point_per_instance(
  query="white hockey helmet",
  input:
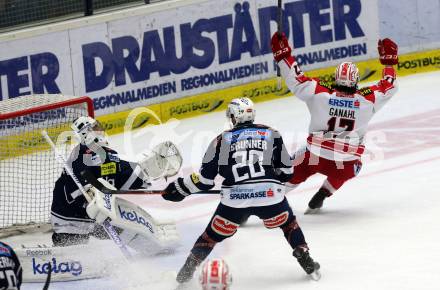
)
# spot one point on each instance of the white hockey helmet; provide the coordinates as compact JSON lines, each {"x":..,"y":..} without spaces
{"x":347,"y":75}
{"x":215,"y":275}
{"x":242,"y":110}
{"x":89,"y":131}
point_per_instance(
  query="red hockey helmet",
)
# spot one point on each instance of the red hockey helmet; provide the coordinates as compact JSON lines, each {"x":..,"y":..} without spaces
{"x":215,"y":275}
{"x":347,"y":75}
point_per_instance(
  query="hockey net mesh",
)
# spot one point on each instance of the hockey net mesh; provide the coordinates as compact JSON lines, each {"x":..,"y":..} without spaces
{"x":28,"y":168}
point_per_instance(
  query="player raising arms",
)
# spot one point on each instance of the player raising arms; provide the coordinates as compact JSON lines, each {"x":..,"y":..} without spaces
{"x":340,"y":114}
{"x":71,"y":220}
{"x":254,"y":163}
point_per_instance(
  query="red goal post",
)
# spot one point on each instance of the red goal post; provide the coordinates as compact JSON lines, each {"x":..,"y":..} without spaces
{"x":28,"y":169}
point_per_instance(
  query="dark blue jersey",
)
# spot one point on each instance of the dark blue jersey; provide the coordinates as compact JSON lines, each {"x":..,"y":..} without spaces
{"x":10,"y":269}
{"x":247,"y":154}
{"x":68,"y":202}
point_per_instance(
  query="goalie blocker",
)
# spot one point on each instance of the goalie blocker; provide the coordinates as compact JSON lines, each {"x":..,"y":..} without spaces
{"x":143,"y":232}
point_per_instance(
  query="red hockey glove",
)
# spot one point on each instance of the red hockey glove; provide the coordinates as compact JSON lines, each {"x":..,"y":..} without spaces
{"x":280,"y":46}
{"x":387,"y":52}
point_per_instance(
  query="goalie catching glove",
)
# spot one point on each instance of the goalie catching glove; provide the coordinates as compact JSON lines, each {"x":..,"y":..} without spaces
{"x":164,"y":160}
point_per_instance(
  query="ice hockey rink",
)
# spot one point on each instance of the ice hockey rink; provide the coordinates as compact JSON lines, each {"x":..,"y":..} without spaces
{"x":379,"y":231}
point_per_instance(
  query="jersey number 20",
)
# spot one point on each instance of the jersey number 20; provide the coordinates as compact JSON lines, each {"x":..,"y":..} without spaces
{"x":251,"y":159}
{"x":9,"y":275}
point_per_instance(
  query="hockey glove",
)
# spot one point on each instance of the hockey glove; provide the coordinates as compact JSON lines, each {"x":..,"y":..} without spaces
{"x":280,"y":47}
{"x":387,"y":52}
{"x":176,"y":191}
{"x":164,"y":160}
{"x":100,"y":207}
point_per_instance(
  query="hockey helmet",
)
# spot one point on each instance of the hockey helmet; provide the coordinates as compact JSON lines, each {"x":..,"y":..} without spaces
{"x":347,"y":75}
{"x":215,"y":275}
{"x":89,"y":131}
{"x":242,"y":110}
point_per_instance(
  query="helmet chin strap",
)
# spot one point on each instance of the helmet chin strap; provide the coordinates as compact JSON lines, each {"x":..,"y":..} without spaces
{"x":232,"y":122}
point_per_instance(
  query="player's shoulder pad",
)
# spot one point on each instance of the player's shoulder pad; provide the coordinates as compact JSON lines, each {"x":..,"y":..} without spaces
{"x":261,"y":126}
{"x":275,"y":132}
{"x":323,"y":86}
{"x":5,"y":250}
{"x":217,"y":140}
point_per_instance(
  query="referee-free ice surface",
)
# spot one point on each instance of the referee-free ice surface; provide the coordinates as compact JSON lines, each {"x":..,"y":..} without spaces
{"x":379,"y":231}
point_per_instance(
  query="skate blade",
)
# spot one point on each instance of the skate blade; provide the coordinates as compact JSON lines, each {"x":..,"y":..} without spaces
{"x":312,"y":210}
{"x":316,"y":275}
{"x":184,"y":286}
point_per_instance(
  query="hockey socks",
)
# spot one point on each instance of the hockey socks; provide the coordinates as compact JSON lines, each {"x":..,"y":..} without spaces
{"x":293,"y":234}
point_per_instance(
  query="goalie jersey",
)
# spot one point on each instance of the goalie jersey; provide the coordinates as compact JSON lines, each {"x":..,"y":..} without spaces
{"x":69,"y":205}
{"x":10,"y":268}
{"x":254,"y":163}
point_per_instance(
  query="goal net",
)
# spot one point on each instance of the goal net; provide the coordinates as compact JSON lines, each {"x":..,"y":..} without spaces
{"x":28,"y":168}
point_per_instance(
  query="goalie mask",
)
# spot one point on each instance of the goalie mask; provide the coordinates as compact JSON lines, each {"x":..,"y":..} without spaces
{"x":215,"y":275}
{"x":240,"y":111}
{"x":347,"y":75}
{"x":89,"y":131}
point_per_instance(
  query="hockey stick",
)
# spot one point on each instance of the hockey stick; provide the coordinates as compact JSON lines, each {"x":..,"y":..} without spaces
{"x":87,"y":175}
{"x":279,"y":29}
{"x":106,"y":224}
{"x":49,"y":274}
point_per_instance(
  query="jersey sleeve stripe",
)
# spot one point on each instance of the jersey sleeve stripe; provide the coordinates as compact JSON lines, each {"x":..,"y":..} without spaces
{"x":289,"y":61}
{"x":134,"y":175}
{"x":287,"y":170}
{"x":335,"y":146}
{"x":205,"y":180}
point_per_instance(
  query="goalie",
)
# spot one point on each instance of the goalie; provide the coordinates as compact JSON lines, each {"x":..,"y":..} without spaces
{"x":73,"y":218}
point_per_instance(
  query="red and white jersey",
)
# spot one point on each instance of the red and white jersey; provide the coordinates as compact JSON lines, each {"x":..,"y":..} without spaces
{"x":338,"y":120}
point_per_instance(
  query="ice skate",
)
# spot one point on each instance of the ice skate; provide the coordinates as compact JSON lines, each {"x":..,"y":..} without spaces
{"x":316,"y":202}
{"x":306,"y":262}
{"x":187,"y":271}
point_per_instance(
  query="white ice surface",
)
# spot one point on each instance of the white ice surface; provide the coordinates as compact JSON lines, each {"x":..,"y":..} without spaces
{"x":379,"y":231}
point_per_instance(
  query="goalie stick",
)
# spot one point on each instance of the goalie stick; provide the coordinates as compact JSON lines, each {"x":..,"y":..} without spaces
{"x":279,"y":31}
{"x":106,"y":224}
{"x":49,"y":274}
{"x":90,"y":178}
